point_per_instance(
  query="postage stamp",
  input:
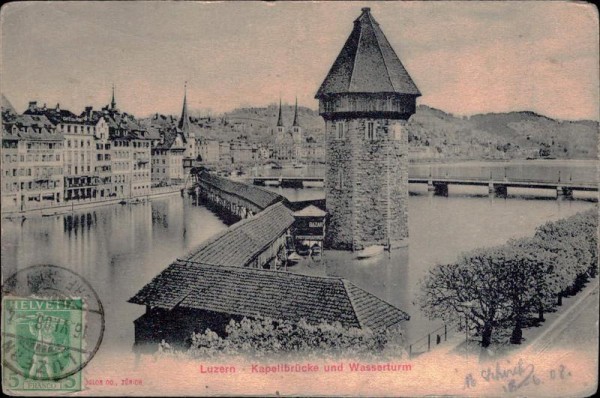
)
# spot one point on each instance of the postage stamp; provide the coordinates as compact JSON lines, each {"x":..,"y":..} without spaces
{"x":46,"y":339}
{"x":52,"y":326}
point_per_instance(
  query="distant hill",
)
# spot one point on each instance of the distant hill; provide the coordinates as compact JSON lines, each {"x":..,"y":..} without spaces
{"x":257,"y":123}
{"x":512,"y":135}
{"x":253,"y":123}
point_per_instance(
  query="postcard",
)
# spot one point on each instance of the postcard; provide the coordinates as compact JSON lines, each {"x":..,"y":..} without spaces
{"x":299,"y":198}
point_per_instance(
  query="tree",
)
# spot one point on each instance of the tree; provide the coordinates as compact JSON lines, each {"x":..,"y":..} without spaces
{"x":528,"y":280}
{"x":499,"y":287}
{"x":469,"y":287}
{"x":548,"y":281}
{"x":573,"y":241}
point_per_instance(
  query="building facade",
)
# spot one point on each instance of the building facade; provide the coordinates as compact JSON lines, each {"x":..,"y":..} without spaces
{"x":167,"y":158}
{"x":32,"y":168}
{"x":103,"y":163}
{"x":208,"y":150}
{"x":79,"y":158}
{"x":366,"y":99}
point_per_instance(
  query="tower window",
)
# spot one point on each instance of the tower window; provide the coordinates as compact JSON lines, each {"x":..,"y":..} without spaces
{"x":370,"y":134}
{"x":339,"y":128}
{"x":396,"y":132}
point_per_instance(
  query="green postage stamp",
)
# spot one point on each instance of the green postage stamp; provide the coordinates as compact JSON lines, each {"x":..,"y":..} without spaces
{"x":43,"y":344}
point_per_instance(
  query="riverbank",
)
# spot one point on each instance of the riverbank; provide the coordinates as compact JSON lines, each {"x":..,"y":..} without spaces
{"x":66,"y":208}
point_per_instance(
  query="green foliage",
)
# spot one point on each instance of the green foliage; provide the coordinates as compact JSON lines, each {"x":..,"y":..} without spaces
{"x":264,"y":337}
{"x":499,"y":287}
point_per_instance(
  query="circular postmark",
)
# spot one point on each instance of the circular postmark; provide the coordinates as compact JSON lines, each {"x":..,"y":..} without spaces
{"x":52,"y":323}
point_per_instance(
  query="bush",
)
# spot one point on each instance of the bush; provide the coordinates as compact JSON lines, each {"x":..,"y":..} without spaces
{"x":264,"y":337}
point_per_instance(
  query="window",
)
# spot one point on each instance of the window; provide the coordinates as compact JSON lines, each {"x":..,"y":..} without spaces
{"x":396,"y":133}
{"x":340,"y":182}
{"x":339,"y":128}
{"x":370,"y":131}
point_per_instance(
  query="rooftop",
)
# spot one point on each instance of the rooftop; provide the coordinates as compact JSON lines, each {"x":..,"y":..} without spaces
{"x":30,"y":127}
{"x":277,"y":295}
{"x":367,"y":64}
{"x":244,"y":241}
{"x":310,"y":211}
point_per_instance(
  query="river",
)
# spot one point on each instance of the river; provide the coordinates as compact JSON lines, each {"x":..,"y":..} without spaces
{"x":120,"y":248}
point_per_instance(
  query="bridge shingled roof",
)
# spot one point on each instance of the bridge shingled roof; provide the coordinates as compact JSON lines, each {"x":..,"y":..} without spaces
{"x":265,"y":293}
{"x":261,"y":197}
{"x":238,"y":245}
{"x":367,"y":64}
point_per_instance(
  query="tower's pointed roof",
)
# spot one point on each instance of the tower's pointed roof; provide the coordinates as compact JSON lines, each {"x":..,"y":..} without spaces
{"x":279,"y":120}
{"x":184,"y":121}
{"x":367,"y":64}
{"x":295,"y":124}
{"x":113,"y":103}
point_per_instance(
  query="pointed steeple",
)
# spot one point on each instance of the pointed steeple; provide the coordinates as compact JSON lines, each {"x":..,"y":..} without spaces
{"x":279,"y":120}
{"x":295,"y":124}
{"x":113,"y":103}
{"x":6,"y":105}
{"x":184,"y":121}
{"x":367,"y":64}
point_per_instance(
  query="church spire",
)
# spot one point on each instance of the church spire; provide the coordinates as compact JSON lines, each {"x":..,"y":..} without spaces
{"x":184,"y":120}
{"x":279,"y":121}
{"x":113,"y":103}
{"x":295,"y":124}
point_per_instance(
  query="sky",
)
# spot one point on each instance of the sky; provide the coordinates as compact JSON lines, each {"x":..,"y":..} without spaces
{"x":465,"y":57}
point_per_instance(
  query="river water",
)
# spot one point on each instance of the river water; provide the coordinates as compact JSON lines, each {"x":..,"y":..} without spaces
{"x":118,"y":249}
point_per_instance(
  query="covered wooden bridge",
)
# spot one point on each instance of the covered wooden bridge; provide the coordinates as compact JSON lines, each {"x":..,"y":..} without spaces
{"x":236,"y":198}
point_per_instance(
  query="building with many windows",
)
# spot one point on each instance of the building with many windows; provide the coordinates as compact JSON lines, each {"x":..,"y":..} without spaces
{"x":167,"y":158}
{"x":32,"y":172}
{"x":79,"y":158}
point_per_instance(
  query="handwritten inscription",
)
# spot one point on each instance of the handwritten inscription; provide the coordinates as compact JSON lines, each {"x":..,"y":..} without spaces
{"x":514,"y":376}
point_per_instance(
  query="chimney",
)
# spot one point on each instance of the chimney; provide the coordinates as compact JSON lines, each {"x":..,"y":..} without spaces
{"x":88,"y":112}
{"x":32,"y":105}
{"x":57,"y":107}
